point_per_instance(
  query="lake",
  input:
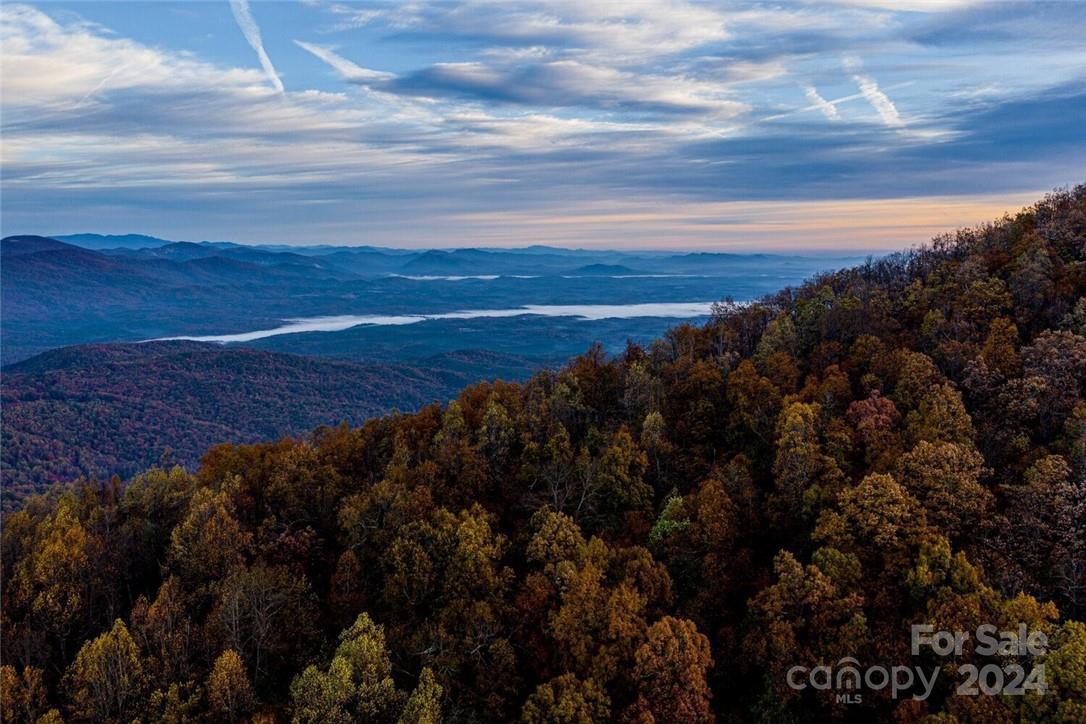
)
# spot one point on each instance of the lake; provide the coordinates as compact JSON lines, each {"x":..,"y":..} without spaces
{"x":338,"y":323}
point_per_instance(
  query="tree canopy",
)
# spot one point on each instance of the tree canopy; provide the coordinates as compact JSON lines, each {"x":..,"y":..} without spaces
{"x":653,"y":537}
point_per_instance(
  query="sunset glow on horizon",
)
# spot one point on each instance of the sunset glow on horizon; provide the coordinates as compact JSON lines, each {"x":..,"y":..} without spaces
{"x":735,"y":126}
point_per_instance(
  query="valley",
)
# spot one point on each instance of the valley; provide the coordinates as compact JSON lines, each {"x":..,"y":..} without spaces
{"x":55,"y":293}
{"x":549,"y":362}
{"x":120,"y":350}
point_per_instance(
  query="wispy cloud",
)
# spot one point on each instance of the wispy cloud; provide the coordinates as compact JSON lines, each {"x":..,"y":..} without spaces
{"x":251,"y":30}
{"x":347,"y":70}
{"x":534,"y":80}
{"x":828,"y":109}
{"x":556,"y":120}
{"x":625,"y":32}
{"x":920,"y":6}
{"x":870,"y":90}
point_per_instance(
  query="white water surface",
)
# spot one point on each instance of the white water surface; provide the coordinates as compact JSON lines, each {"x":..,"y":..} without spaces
{"x":587,"y":312}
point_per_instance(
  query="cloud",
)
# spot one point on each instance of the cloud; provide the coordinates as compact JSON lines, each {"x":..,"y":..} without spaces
{"x":858,"y":225}
{"x":531,"y":79}
{"x":829,"y":110}
{"x":871,"y":92}
{"x":623,"y":32}
{"x":51,"y":69}
{"x":569,"y":83}
{"x":346,"y":69}
{"x":252,"y":34}
{"x":919,"y":6}
{"x":578,"y":113}
{"x":83,"y":107}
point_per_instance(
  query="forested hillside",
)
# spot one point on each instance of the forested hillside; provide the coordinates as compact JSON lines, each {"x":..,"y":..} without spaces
{"x":659,"y":537}
{"x":100,"y":410}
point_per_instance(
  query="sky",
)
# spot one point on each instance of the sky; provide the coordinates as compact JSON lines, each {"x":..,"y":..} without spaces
{"x":853,"y":125}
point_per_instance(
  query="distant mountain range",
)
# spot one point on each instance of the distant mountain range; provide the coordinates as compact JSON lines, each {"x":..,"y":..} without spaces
{"x":105,"y":409}
{"x":488,"y":260}
{"x":80,"y":398}
{"x":116,"y":241}
{"x":88,"y":288}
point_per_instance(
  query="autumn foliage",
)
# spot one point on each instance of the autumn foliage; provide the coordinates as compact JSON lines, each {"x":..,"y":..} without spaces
{"x":656,"y":537}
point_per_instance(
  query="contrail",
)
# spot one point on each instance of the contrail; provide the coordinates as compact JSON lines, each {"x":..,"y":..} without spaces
{"x":252,"y":33}
{"x":101,"y":84}
{"x":828,"y":109}
{"x":835,"y":102}
{"x":879,"y":101}
{"x":346,"y":69}
{"x":870,"y":90}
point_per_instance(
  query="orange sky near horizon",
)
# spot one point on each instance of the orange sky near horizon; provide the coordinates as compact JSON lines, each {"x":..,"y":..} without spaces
{"x":841,"y":225}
